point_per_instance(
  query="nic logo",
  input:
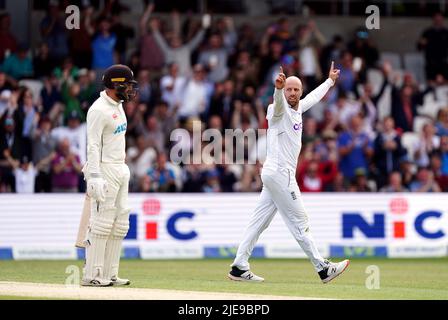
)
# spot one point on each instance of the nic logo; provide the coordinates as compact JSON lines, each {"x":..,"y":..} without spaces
{"x":121,"y":128}
{"x":377,"y":228}
{"x":151,"y":209}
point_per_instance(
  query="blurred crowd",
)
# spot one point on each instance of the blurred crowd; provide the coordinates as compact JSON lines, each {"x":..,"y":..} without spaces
{"x":209,"y":71}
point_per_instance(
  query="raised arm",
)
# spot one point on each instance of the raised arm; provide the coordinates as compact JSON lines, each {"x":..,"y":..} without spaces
{"x":159,"y":38}
{"x":145,"y":18}
{"x":317,"y":94}
{"x":279,"y":95}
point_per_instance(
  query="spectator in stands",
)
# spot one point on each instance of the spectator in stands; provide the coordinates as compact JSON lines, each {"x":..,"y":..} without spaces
{"x":309,"y":134}
{"x":211,"y":183}
{"x":226,"y":27}
{"x":153,"y":134}
{"x":26,"y":117}
{"x":395,"y":183}
{"x":134,"y":114}
{"x":348,"y":76}
{"x":194,"y":99}
{"x":424,"y":181}
{"x":50,"y":94}
{"x":355,"y":148}
{"x":140,"y":159}
{"x":103,"y":47}
{"x":5,"y":83}
{"x":222,"y":102}
{"x":80,"y":40}
{"x":10,"y":151}
{"x":407,"y":170}
{"x":313,"y":176}
{"x":88,"y":92}
{"x":344,"y":109}
{"x":442,"y":122}
{"x":75,"y":133}
{"x":70,"y":97}
{"x":145,"y":88}
{"x":388,"y":151}
{"x":434,"y":43}
{"x":428,"y":143}
{"x":329,"y":121}
{"x":42,"y":62}
{"x":18,"y":65}
{"x":67,"y":71}
{"x":44,"y":145}
{"x":7,"y":38}
{"x":147,"y":43}
{"x":246,"y":38}
{"x":436,"y":168}
{"x":251,"y":178}
{"x":53,"y":32}
{"x":227,"y":176}
{"x":172,"y":86}
{"x":360,"y":182}
{"x":177,"y":52}
{"x":66,"y":168}
{"x":339,"y":184}
{"x":310,"y":42}
{"x":5,"y":97}
{"x":404,"y":107}
{"x":444,"y":155}
{"x":193,"y":178}
{"x":25,"y":175}
{"x":270,"y":52}
{"x":166,"y":121}
{"x":161,"y":178}
{"x":214,"y":58}
{"x":123,"y":32}
{"x":332,"y":52}
{"x":361,"y":46}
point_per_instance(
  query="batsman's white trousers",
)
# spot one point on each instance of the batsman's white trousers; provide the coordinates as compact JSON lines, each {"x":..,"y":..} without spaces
{"x":109,"y":224}
{"x":280,"y":192}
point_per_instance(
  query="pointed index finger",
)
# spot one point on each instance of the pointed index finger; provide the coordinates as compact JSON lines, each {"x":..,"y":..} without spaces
{"x":332,"y":65}
{"x":281,"y":69}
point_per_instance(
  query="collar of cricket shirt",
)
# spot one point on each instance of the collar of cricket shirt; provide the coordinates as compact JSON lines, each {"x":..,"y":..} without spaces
{"x":109,"y":99}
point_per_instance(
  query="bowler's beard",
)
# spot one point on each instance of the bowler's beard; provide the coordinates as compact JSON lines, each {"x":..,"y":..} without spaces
{"x":294,"y":105}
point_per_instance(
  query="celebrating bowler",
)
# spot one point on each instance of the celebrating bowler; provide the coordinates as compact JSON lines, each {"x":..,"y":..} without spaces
{"x":280,"y":190}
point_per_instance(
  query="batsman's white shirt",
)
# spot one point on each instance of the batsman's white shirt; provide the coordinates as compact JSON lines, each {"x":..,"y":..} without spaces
{"x":280,"y":190}
{"x":106,"y":128}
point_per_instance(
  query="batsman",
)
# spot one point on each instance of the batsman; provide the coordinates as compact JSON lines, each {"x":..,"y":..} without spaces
{"x":107,"y":177}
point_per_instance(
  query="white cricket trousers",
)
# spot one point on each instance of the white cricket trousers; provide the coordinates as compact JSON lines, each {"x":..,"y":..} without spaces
{"x":109,"y":224}
{"x":280,"y":192}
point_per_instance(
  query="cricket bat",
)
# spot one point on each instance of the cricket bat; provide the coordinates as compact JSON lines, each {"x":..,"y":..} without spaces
{"x":83,"y":224}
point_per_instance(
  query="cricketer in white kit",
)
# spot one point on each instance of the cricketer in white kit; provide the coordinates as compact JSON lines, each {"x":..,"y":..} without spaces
{"x":280,"y":190}
{"x":107,"y":178}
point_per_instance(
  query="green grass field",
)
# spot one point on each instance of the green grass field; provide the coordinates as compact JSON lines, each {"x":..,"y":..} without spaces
{"x":399,"y":278}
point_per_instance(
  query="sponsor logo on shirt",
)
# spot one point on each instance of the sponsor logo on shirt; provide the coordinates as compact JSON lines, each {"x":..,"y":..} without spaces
{"x":121,"y":128}
{"x":297,"y":126}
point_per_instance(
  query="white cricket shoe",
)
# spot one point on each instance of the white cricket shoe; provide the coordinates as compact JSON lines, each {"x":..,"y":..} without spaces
{"x":332,"y":270}
{"x":96,"y":283}
{"x":243,"y":275}
{"x":120,"y":282}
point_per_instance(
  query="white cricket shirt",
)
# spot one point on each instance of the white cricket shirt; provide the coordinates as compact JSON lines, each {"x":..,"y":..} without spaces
{"x":106,"y":128}
{"x":285,"y":128}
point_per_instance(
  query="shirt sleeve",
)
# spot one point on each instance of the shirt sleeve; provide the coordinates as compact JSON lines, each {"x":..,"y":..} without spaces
{"x":95,"y":127}
{"x":279,"y":104}
{"x":316,"y":95}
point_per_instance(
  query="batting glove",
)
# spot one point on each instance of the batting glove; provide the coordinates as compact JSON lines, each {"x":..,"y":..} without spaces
{"x":97,"y":188}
